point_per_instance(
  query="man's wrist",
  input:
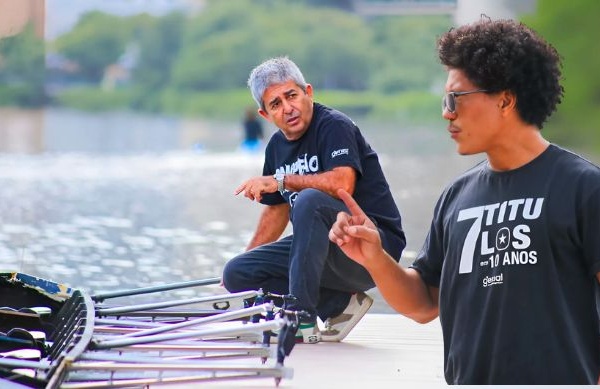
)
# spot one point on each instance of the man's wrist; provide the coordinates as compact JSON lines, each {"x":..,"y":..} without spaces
{"x":280,"y":178}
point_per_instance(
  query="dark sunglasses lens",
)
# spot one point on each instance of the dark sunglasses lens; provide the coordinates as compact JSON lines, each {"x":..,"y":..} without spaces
{"x":449,"y":103}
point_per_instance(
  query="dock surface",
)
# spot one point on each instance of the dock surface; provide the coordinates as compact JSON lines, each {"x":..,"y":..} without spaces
{"x":382,"y":351}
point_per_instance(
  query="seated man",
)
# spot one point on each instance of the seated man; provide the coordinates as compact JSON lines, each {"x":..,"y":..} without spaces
{"x":316,"y":151}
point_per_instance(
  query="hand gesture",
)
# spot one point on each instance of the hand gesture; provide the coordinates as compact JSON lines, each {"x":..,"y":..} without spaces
{"x":355,"y":233}
{"x":256,"y":186}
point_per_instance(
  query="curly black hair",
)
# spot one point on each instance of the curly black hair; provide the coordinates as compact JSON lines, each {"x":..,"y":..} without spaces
{"x":505,"y":55}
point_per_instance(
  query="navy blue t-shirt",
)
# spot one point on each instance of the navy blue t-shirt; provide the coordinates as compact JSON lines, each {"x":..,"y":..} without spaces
{"x":515,"y":256}
{"x":333,"y":140}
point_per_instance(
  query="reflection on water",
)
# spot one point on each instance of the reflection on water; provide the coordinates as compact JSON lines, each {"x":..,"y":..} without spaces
{"x":64,"y":131}
{"x":116,"y":201}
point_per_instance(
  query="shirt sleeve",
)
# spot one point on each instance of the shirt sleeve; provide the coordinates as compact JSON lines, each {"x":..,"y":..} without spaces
{"x":339,"y":146}
{"x":430,"y":259}
{"x":589,"y":215}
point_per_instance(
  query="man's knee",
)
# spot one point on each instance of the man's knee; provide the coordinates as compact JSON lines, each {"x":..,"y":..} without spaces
{"x":231,"y":277}
{"x":309,"y":200}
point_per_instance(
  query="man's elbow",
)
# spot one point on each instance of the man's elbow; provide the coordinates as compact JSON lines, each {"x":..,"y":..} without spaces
{"x":423,"y":317}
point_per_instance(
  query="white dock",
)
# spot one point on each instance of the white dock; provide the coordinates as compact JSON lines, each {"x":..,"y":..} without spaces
{"x":382,"y":351}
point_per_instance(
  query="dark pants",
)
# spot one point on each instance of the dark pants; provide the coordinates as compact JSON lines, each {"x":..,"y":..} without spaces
{"x":305,"y":264}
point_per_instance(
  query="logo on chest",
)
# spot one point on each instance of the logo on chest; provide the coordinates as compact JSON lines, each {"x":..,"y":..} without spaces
{"x":493,"y":280}
{"x":499,"y":234}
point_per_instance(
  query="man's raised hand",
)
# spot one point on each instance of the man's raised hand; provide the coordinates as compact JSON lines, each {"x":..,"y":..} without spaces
{"x":355,"y":233}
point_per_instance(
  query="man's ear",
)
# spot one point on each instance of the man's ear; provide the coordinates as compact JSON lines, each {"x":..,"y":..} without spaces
{"x":264,"y":114}
{"x":309,"y":90}
{"x":507,"y":100}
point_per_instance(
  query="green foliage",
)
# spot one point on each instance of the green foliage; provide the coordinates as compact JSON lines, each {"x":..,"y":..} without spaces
{"x":22,"y":69}
{"x":223,"y":103}
{"x":96,"y":42}
{"x":93,"y":99}
{"x":218,"y":48}
{"x":572,"y":27}
{"x":159,"y":43}
{"x":382,"y":67}
{"x":335,"y":50}
{"x":411,"y":106}
{"x":223,"y":43}
{"x":407,"y":58}
{"x":353,"y":103}
{"x":183,"y":60}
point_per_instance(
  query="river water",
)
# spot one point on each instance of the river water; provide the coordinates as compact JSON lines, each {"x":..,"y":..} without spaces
{"x":115,"y":201}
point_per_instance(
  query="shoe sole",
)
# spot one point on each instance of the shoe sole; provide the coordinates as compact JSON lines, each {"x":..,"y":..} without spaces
{"x":364,"y":308}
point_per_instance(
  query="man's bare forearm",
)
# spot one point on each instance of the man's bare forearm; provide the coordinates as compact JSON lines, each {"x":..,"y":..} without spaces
{"x":271,"y":225}
{"x":404,"y":289}
{"x":328,"y":182}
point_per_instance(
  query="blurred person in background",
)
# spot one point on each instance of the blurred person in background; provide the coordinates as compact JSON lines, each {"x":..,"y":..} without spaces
{"x":253,"y":131}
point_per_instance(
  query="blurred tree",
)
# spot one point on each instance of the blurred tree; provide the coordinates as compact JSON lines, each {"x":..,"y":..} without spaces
{"x":406,"y":52}
{"x":185,"y":59}
{"x":159,"y":41}
{"x":223,"y":43}
{"x":573,"y":28}
{"x":338,"y":50}
{"x":182,"y":58}
{"x":95,"y":42}
{"x":22,"y":69}
{"x":217,"y":45}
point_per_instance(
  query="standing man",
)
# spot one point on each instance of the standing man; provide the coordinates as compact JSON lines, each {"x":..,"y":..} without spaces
{"x":512,"y":259}
{"x":316,"y":151}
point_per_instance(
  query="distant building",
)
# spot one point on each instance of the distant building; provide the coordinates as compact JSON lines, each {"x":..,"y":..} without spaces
{"x":404,"y":7}
{"x":470,"y":10}
{"x":119,"y":73}
{"x":115,"y":75}
{"x":463,"y":11}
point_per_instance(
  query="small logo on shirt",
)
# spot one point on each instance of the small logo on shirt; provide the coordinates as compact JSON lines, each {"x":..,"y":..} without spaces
{"x":339,"y":152}
{"x":493,"y":280}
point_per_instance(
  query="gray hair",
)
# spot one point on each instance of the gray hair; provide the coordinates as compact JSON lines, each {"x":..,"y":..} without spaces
{"x":273,"y":71}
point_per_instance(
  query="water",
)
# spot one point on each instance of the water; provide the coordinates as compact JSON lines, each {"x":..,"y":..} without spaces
{"x":114,"y":201}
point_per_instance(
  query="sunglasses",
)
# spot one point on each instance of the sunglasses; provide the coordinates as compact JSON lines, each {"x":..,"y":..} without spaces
{"x":449,"y":100}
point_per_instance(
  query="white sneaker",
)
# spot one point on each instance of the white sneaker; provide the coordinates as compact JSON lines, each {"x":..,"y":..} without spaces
{"x":336,"y":328}
{"x":308,"y":333}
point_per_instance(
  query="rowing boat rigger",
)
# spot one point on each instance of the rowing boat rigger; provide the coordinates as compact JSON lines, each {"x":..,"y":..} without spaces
{"x":53,"y":336}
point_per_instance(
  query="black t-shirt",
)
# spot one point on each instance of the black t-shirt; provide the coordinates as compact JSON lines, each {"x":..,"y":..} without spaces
{"x":515,"y":255}
{"x":333,"y":140}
